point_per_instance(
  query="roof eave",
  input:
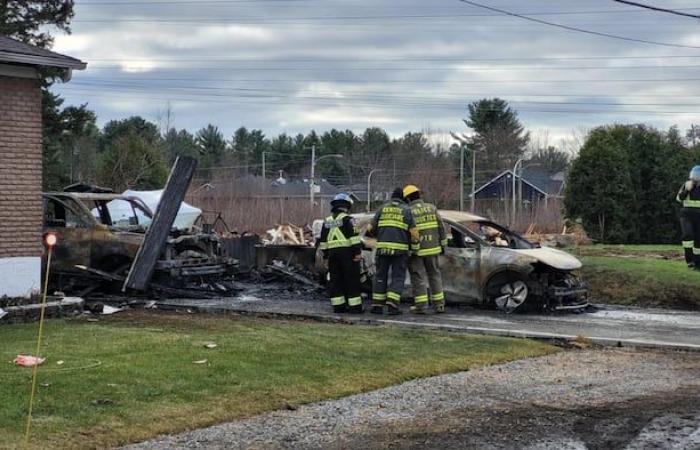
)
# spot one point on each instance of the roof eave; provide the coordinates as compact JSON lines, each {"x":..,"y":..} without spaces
{"x":46,"y":61}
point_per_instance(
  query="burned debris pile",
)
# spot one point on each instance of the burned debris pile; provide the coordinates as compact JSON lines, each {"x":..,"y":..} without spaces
{"x":111,"y":244}
{"x":113,"y":248}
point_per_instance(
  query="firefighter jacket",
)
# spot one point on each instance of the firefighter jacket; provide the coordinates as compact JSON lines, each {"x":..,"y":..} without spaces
{"x":690,"y":200}
{"x":395,"y":229}
{"x":431,"y":229}
{"x":340,"y":233}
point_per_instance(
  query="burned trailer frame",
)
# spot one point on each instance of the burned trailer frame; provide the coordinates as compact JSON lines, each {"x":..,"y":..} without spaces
{"x":88,"y":237}
{"x":518,"y":276}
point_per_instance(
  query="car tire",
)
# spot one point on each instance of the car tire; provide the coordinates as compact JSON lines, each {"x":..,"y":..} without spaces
{"x":507,"y":291}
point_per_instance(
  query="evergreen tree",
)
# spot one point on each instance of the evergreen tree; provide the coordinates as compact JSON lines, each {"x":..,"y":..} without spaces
{"x":180,"y":143}
{"x":30,"y":20}
{"x":212,"y":146}
{"x":498,"y":134}
{"x":623,"y":184}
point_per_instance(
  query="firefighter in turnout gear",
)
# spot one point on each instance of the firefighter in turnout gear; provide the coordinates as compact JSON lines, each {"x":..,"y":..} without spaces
{"x":689,"y":196}
{"x":397,"y":236}
{"x":342,"y":248}
{"x":423,"y":264}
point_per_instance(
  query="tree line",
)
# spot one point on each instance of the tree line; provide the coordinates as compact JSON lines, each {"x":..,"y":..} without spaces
{"x":136,"y":153}
{"x":623,"y":184}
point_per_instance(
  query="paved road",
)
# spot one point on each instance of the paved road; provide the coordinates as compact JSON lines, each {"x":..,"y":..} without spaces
{"x":610,"y":325}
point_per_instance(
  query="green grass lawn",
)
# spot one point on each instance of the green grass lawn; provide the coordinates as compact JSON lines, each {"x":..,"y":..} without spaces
{"x":132,"y":376}
{"x":662,"y":250}
{"x":642,"y":275}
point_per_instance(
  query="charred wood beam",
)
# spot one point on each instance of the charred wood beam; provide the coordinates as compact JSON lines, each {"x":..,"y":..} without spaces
{"x":155,"y":287}
{"x":157,"y":234}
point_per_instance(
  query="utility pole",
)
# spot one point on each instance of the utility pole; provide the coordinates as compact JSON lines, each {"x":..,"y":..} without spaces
{"x":461,"y":179}
{"x":515,"y":170}
{"x":369,"y":188}
{"x":313,"y":172}
{"x":473,"y":208}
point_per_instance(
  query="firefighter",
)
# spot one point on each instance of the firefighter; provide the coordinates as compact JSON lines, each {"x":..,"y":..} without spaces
{"x":689,"y":196}
{"x":397,"y":236}
{"x":423,"y":264}
{"x":342,"y":248}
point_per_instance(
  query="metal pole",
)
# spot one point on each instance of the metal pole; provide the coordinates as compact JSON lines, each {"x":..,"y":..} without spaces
{"x":515,"y":170}
{"x":313,"y":169}
{"x":461,"y":178}
{"x":473,"y":180}
{"x":369,"y":189}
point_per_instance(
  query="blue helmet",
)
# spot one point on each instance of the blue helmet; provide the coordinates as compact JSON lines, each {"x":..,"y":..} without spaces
{"x":695,"y":173}
{"x":342,"y":197}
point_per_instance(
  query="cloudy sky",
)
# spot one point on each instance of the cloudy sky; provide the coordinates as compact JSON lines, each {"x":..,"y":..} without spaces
{"x":297,"y":65}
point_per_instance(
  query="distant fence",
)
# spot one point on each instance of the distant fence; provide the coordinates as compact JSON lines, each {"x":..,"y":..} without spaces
{"x":258,"y":214}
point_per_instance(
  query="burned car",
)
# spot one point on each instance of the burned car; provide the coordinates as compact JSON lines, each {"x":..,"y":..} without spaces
{"x":487,"y":264}
{"x":103,"y":231}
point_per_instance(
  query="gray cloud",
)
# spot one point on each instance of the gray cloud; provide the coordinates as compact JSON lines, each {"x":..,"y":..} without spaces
{"x":315,"y":64}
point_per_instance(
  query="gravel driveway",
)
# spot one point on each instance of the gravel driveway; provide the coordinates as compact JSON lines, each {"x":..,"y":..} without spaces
{"x":584,"y":399}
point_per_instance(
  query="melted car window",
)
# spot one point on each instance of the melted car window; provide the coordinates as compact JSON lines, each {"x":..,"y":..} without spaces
{"x":458,"y":239}
{"x":60,"y":215}
{"x":497,"y":235}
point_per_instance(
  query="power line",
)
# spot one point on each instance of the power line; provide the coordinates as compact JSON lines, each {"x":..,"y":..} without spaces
{"x":185,"y":2}
{"x":264,"y":92}
{"x":482,"y":69}
{"x":656,"y":8}
{"x":432,"y":81}
{"x":576,"y":29}
{"x":97,"y":82}
{"x":401,"y":59}
{"x":353,"y":18}
{"x":253,"y":101}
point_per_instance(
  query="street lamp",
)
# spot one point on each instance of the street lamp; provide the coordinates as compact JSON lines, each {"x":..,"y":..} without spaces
{"x":369,"y":188}
{"x":314,"y":160}
{"x":515,"y":170}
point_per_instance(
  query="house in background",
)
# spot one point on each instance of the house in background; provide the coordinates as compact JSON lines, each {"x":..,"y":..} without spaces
{"x":21,"y":214}
{"x":323,"y":190}
{"x":532,"y":186}
{"x":359,"y":193}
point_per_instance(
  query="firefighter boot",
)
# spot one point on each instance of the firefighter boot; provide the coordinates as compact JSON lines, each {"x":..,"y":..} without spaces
{"x":340,"y":309}
{"x":439,"y":307}
{"x":356,"y":309}
{"x":392,"y":309}
{"x":377,"y":309}
{"x":419,"y":308}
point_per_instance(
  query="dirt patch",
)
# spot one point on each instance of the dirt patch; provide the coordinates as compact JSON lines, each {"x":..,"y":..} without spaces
{"x":614,"y":425}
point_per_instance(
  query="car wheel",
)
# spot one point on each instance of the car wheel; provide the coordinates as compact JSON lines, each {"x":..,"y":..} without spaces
{"x":507,"y":292}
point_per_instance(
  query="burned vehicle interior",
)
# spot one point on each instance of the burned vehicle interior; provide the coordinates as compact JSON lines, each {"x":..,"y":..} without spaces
{"x":465,"y":235}
{"x":100,"y":234}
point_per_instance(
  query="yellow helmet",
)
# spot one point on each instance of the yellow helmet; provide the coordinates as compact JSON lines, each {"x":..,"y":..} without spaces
{"x":410,"y":189}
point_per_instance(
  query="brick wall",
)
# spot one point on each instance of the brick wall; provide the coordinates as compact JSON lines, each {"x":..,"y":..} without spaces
{"x":20,"y":167}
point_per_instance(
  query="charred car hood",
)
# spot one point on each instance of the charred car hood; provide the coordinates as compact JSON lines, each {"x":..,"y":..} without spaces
{"x":552,"y":257}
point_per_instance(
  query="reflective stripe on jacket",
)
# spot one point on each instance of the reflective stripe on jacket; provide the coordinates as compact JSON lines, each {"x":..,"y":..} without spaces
{"x":689,"y":199}
{"x":395,"y":229}
{"x":430,"y":228}
{"x":339,"y":232}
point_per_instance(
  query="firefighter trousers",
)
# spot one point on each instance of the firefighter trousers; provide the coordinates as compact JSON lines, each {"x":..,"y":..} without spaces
{"x":389,"y":278}
{"x":425,"y":273}
{"x":690,"y":230}
{"x":344,"y":287}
